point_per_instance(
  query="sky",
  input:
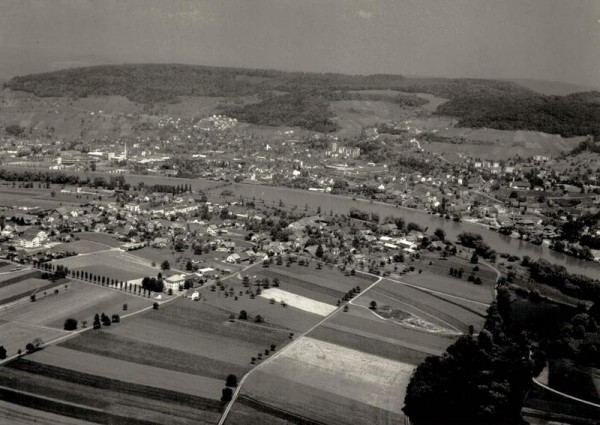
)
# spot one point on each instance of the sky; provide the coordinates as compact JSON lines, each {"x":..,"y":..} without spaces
{"x":555,"y":40}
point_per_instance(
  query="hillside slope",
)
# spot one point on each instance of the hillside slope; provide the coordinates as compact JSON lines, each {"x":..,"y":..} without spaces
{"x":303,"y":99}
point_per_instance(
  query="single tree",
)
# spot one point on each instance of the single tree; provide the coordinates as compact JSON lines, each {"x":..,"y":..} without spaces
{"x":231,"y":381}
{"x":70,"y":324}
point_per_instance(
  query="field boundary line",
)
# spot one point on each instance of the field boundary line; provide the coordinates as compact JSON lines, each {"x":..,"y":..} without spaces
{"x":279,"y":352}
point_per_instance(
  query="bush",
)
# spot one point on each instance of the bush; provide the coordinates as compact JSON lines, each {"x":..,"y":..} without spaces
{"x":231,"y":381}
{"x":243,"y":315}
{"x":70,"y":324}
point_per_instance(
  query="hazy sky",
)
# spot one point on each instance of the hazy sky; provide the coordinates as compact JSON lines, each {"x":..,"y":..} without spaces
{"x":543,"y":39}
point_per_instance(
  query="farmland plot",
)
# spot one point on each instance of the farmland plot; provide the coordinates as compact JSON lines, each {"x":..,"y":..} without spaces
{"x":81,"y":247}
{"x":362,"y":322}
{"x":204,"y":330}
{"x":129,"y":372}
{"x":102,"y":400}
{"x":80,"y":301}
{"x":288,"y":317}
{"x":298,"y":301}
{"x":15,"y":336}
{"x":113,"y":264}
{"x":23,"y":289}
{"x":331,"y":372}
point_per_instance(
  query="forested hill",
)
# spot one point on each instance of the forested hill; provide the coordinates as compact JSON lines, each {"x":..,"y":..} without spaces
{"x":476,"y":102}
{"x":163,"y":82}
{"x":573,"y":115}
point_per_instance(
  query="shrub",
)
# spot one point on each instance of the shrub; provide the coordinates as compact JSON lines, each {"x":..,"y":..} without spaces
{"x":231,"y":381}
{"x":70,"y":324}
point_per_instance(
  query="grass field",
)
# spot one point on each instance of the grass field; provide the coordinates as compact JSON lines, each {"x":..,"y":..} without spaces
{"x":24,"y":288}
{"x":353,"y":115}
{"x":102,"y":238}
{"x":314,"y":376}
{"x":430,"y":306}
{"x":134,"y":373}
{"x":15,"y":336}
{"x":499,"y":144}
{"x":9,"y":195}
{"x":113,"y":264}
{"x":288,"y":317}
{"x":204,"y":330}
{"x":96,"y":396}
{"x":80,"y":301}
{"x":359,"y":321}
{"x":81,"y":247}
{"x":108,"y":344}
{"x":20,"y":415}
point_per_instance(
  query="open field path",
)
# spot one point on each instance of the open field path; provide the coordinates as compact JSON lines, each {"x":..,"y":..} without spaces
{"x":287,"y":347}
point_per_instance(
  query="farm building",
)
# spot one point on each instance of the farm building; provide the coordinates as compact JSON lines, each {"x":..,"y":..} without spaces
{"x":173,"y":282}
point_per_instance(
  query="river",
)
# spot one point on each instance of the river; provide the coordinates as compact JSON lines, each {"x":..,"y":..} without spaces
{"x":342,"y":205}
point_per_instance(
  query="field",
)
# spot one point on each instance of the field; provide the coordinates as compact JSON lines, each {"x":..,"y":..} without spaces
{"x":19,"y":415}
{"x":81,"y":247}
{"x":113,"y":264}
{"x":24,"y":288}
{"x":499,"y":144}
{"x":353,"y":115}
{"x":101,"y":238}
{"x":9,"y":195}
{"x":97,"y":398}
{"x":177,"y":357}
{"x":44,"y":318}
{"x":298,"y":301}
{"x":354,"y":367}
{"x":318,"y":380}
{"x":461,"y":289}
{"x":129,"y":372}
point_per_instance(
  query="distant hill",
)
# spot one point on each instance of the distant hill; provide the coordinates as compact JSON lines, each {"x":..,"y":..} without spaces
{"x":573,"y":115}
{"x":302,"y":99}
{"x":552,"y":88}
{"x":163,"y":82}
